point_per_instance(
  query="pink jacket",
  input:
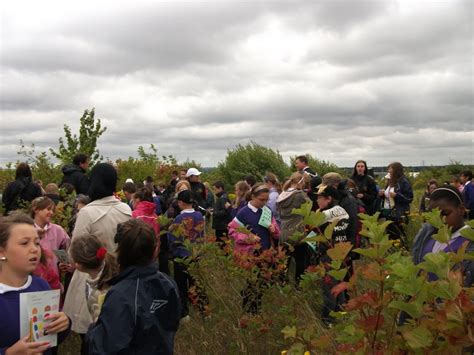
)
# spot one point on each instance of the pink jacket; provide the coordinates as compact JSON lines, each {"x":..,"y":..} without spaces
{"x":240,"y":239}
{"x":145,"y":211}
{"x":53,"y":237}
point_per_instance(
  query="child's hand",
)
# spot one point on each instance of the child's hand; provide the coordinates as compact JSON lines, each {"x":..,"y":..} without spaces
{"x":22,"y":347}
{"x":60,"y":322}
{"x":359,"y":195}
{"x":66,"y":267}
{"x":271,"y":229}
{"x":227,"y":205}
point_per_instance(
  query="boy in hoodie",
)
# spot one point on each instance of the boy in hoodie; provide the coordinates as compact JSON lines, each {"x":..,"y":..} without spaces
{"x":75,"y":173}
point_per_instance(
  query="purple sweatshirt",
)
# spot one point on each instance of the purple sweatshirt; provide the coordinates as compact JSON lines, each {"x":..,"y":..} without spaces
{"x":10,"y":311}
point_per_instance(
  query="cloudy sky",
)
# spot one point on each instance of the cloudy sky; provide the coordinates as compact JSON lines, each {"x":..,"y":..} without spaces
{"x":342,"y":80}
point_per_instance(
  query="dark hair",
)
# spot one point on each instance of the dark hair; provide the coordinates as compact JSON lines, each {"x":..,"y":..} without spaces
{"x":149,"y":179}
{"x":40,"y":203}
{"x":256,"y":190}
{"x":186,"y":196}
{"x":23,"y":171}
{"x":354,"y":172}
{"x":129,"y":187}
{"x":8,"y":222}
{"x":448,"y":194}
{"x":136,"y":245}
{"x":219,"y":184}
{"x":467,"y":173}
{"x":80,"y":158}
{"x":302,"y":158}
{"x":103,"y":181}
{"x":315,"y":182}
{"x":83,"y":250}
{"x":84,"y":199}
{"x":397,"y":173}
{"x":250,"y":179}
{"x":174,"y":172}
{"x":144,"y":194}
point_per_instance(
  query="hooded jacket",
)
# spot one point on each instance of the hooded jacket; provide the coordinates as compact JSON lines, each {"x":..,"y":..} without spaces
{"x":145,"y":211}
{"x":74,"y":175}
{"x":22,"y":189}
{"x":140,"y":314}
{"x":290,"y":223}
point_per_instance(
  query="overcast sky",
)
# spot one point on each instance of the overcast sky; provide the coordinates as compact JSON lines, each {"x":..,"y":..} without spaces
{"x":342,"y":80}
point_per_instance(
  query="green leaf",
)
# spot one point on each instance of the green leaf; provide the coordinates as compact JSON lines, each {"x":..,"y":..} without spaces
{"x":339,"y":251}
{"x":437,"y":263}
{"x":468,"y":233}
{"x":434,"y":218}
{"x":443,"y":235}
{"x":370,"y":253}
{"x":336,"y":264}
{"x":414,"y":309}
{"x":329,"y":230}
{"x":338,"y":274}
{"x":410,"y":287}
{"x":289,"y":332}
{"x":446,"y":289}
{"x":418,"y":337}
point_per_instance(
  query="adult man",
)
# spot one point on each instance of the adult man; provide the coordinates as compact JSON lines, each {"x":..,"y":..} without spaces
{"x":198,"y":189}
{"x":75,"y":173}
{"x":468,"y":192}
{"x":301,"y":163}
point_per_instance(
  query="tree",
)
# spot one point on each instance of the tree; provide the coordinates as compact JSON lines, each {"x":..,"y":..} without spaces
{"x":89,"y":132}
{"x":252,"y":159}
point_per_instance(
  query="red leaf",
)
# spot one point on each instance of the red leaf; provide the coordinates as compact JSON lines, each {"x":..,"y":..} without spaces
{"x":367,"y":299}
{"x":371,"y":323}
{"x":340,"y":287}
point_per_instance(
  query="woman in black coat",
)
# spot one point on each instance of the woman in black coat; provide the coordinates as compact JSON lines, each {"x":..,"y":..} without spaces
{"x":22,"y":190}
{"x":366,"y":187}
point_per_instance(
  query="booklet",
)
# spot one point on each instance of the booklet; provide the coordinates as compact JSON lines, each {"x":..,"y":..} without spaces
{"x":34,"y":307}
{"x":62,"y":256}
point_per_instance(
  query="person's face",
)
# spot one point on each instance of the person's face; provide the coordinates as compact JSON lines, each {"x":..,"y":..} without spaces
{"x":84,"y":165}
{"x":194,"y":178}
{"x":455,"y":183}
{"x":463,"y":178}
{"x":431,"y":188}
{"x":390,"y":170}
{"x":217,"y":190}
{"x":260,"y":200}
{"x":299,"y":164}
{"x":360,"y":168}
{"x":22,"y":250}
{"x":323,"y":201}
{"x":454,"y":216}
{"x":44,"y":215}
{"x":182,"y":175}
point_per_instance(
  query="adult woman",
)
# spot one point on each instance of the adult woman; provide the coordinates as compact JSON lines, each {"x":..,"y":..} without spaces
{"x":23,"y":189}
{"x":99,"y":218}
{"x":366,"y":187}
{"x":397,"y":195}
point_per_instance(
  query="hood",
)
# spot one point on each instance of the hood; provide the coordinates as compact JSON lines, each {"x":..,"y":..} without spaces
{"x":286,"y":197}
{"x":145,"y":207}
{"x":69,"y":169}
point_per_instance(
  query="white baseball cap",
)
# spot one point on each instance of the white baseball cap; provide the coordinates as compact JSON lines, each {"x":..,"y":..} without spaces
{"x":192,"y":172}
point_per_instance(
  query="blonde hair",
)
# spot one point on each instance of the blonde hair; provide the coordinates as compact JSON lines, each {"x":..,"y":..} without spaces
{"x":298,"y":179}
{"x":272,"y":178}
{"x":241,"y":189}
{"x":181,"y":183}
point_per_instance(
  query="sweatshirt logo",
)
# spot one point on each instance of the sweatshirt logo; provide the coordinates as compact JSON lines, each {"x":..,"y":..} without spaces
{"x":157,"y":304}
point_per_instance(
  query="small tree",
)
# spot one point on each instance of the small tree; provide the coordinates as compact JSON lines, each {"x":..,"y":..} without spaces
{"x":252,"y":159}
{"x":89,"y":132}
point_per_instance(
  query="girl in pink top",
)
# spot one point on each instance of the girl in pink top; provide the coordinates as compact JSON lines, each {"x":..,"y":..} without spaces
{"x":144,"y":209}
{"x":52,"y":236}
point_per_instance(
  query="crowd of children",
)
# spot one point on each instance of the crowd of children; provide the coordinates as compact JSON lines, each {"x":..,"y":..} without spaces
{"x":115,"y":284}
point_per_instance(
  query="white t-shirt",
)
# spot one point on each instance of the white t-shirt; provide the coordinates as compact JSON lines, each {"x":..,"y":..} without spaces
{"x":389,"y":202}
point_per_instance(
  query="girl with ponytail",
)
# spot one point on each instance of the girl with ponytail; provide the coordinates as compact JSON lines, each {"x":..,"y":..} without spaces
{"x":91,"y":257}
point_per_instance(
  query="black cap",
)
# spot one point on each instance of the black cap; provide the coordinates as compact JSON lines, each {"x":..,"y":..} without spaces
{"x":327,"y":191}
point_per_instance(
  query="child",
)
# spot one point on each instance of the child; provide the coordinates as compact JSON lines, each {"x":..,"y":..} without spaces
{"x":141,"y":312}
{"x":241,"y":190}
{"x":144,"y":209}
{"x":19,"y":256}
{"x":449,"y":201}
{"x":52,"y":236}
{"x":191,"y":225}
{"x":221,"y":213}
{"x":250,"y":216}
{"x":292,"y":197}
{"x":327,"y":202}
{"x":47,"y":273}
{"x":91,"y":257}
